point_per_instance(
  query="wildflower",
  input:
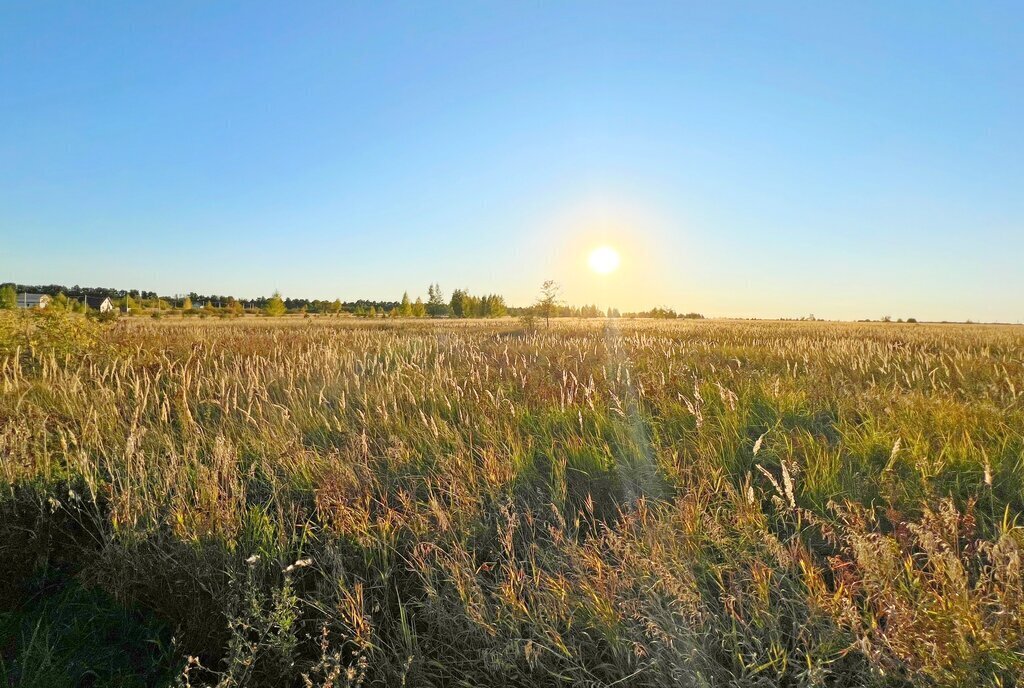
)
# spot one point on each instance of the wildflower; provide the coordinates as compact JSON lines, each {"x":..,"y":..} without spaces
{"x":300,"y":563}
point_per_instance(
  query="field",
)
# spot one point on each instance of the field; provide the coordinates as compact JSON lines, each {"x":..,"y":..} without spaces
{"x":321,"y":502}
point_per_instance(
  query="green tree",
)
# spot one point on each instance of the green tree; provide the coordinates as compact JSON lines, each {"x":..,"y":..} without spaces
{"x":59,"y":303}
{"x":186,"y":305}
{"x":275,"y":305}
{"x":455,"y":305}
{"x":234,"y":307}
{"x":436,"y":305}
{"x":418,"y":309}
{"x":8,"y":297}
{"x":405,"y":310}
{"x":547,"y":301}
{"x":495,"y":307}
{"x":461,"y":304}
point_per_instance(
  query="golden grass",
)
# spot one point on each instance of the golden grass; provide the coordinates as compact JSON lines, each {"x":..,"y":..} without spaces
{"x":330,"y":502}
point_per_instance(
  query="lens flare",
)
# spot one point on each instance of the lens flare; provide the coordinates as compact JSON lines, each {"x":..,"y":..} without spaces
{"x":603,"y":260}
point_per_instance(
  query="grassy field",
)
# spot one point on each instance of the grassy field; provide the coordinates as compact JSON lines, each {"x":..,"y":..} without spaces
{"x":609,"y":503}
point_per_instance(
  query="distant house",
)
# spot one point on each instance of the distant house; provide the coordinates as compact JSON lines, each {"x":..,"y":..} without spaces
{"x":103,"y":304}
{"x":26,"y":300}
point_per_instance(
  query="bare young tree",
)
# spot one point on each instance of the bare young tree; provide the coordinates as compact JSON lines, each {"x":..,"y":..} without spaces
{"x":548,"y":300}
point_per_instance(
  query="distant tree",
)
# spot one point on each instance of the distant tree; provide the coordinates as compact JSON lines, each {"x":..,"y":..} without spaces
{"x":547,"y":302}
{"x":493,"y":306}
{"x":436,"y":305}
{"x":911,"y":320}
{"x":335,"y":306}
{"x":186,"y":305}
{"x":418,"y":309}
{"x":8,"y":297}
{"x":459,"y":297}
{"x":405,"y":309}
{"x":59,"y":303}
{"x":234,"y":307}
{"x":275,"y":305}
{"x":473,"y":306}
{"x":661,"y":313}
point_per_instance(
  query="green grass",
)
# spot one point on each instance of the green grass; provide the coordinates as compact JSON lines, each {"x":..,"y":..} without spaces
{"x":62,"y":634}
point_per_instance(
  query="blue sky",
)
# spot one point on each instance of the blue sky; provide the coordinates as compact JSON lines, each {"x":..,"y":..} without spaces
{"x":757,"y":159}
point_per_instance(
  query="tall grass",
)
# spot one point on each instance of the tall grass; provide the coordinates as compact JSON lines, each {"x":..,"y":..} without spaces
{"x":319,"y":503}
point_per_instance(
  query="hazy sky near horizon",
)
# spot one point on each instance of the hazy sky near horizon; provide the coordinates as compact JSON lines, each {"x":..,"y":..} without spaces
{"x":746,"y":159}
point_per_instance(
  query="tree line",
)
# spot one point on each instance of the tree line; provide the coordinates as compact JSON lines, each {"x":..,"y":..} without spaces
{"x":662,"y":313}
{"x":461,"y":304}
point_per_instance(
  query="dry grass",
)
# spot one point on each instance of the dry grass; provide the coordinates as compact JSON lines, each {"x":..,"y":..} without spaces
{"x":330,"y":503}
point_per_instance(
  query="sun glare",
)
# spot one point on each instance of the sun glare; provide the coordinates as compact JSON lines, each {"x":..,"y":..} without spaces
{"x":603,"y":260}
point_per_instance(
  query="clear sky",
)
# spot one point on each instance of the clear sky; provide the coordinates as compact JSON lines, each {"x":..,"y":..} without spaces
{"x":752,"y":159}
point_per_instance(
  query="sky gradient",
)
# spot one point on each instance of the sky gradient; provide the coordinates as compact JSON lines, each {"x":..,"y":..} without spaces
{"x":848,"y":161}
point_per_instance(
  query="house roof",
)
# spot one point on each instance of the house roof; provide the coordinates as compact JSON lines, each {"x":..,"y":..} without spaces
{"x":26,"y":299}
{"x":94,"y":301}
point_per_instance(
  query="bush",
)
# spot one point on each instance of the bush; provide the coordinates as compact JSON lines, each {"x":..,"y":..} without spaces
{"x":45,"y":331}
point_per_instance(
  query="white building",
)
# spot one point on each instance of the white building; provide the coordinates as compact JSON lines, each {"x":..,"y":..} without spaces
{"x":103,"y":304}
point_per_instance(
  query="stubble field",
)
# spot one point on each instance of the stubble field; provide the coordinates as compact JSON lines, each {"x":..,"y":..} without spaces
{"x":324,"y":502}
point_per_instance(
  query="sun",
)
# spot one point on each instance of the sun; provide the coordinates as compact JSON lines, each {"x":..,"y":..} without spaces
{"x":603,"y":260}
